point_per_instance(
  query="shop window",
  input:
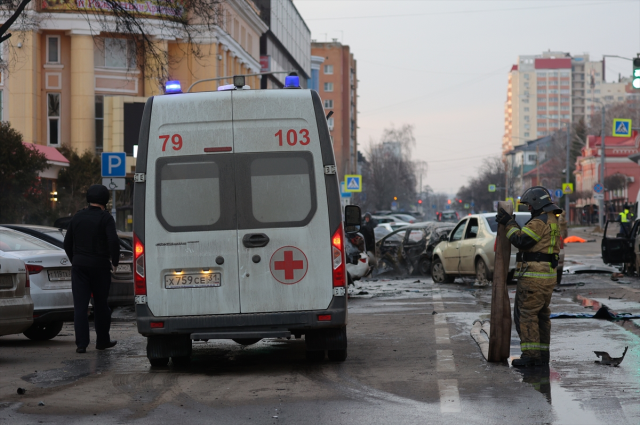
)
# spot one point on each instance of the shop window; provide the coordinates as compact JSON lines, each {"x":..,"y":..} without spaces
{"x":115,"y":53}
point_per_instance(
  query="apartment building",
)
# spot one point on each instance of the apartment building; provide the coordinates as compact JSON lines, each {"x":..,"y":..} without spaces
{"x":549,"y":90}
{"x":338,"y":84}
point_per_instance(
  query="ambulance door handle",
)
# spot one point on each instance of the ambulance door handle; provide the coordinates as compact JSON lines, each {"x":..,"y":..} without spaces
{"x":255,"y":240}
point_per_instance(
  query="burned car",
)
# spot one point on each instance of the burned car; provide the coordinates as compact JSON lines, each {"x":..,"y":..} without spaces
{"x":409,"y":250}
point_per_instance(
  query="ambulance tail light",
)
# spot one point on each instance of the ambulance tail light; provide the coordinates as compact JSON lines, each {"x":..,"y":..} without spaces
{"x":140,"y":281}
{"x":337,"y":254}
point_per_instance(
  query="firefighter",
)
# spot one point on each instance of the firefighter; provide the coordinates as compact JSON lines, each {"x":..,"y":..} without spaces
{"x":538,"y":245}
{"x":624,"y":217}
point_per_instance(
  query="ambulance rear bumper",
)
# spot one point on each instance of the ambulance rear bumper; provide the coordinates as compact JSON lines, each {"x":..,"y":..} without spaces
{"x":259,"y":325}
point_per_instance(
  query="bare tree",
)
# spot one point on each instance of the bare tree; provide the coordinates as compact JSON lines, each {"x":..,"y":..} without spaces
{"x":10,"y":11}
{"x":629,"y":110}
{"x":492,"y":171}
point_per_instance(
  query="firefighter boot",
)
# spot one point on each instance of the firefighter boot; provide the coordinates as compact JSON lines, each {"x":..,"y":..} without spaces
{"x":545,"y":357}
{"x":527,"y":359}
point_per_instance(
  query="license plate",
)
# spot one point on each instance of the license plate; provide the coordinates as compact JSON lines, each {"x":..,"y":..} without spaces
{"x":193,"y":280}
{"x":123,"y":268}
{"x":6,"y":281}
{"x":56,"y":275}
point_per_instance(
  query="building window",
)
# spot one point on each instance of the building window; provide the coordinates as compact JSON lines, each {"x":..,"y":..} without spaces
{"x":527,"y":135}
{"x":527,"y":127}
{"x":115,"y":53}
{"x":542,"y":82}
{"x":526,"y":76}
{"x":532,"y":157}
{"x":328,"y":86}
{"x":53,"y":116}
{"x":526,"y":117}
{"x":564,"y":99}
{"x":543,"y":91}
{"x":566,"y":108}
{"x":99,"y":122}
{"x":526,"y":109}
{"x":544,"y":99}
{"x":330,"y":123}
{"x":542,"y":108}
{"x":328,"y":69}
{"x":53,"y":49}
{"x":553,"y":99}
{"x":526,"y":93}
{"x":328,"y":103}
{"x":598,"y":92}
{"x":525,"y":100}
{"x":542,"y":125}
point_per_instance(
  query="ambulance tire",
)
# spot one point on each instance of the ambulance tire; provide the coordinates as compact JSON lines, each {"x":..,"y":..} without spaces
{"x":314,"y":355}
{"x":181,"y":361}
{"x":247,"y":341}
{"x":161,"y":362}
{"x":337,"y":355}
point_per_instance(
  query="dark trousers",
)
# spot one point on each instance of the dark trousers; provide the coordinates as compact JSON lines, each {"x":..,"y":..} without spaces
{"x":84,"y":282}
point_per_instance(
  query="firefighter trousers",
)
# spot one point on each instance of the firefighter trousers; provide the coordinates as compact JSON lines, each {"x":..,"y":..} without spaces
{"x":531,"y":315}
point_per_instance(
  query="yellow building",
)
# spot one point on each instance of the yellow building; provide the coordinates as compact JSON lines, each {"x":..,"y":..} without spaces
{"x":68,"y":83}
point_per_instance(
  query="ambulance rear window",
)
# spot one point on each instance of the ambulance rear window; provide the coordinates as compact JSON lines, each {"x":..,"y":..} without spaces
{"x":190,"y":191}
{"x":280,"y":188}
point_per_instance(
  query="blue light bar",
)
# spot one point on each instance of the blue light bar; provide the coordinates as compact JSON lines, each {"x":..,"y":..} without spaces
{"x":292,"y":82}
{"x":172,"y":87}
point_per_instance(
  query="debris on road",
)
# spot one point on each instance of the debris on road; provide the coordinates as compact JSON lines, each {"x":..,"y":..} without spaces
{"x":581,"y":268}
{"x":602,"y":313}
{"x":21,"y":391}
{"x":574,"y":239}
{"x":41,"y":403}
{"x":480,"y":332}
{"x":608,"y":360}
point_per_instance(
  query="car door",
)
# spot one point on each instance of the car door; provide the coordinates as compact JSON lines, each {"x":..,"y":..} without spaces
{"x":468,"y":247}
{"x":451,"y":252}
{"x":616,"y":249}
{"x":284,"y":236}
{"x":413,"y":247}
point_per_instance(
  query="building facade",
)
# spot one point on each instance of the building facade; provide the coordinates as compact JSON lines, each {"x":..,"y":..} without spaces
{"x":545,"y":92}
{"x":67,"y":83}
{"x":285,"y":46}
{"x":338,"y":84}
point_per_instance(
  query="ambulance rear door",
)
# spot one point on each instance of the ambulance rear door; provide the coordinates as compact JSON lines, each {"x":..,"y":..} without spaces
{"x":190,"y":227}
{"x":284,"y":239}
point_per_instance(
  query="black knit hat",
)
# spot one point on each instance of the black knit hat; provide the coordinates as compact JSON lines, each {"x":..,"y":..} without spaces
{"x":98,"y":194}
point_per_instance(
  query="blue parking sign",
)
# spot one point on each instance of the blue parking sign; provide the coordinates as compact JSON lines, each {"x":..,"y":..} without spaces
{"x":114,"y":164}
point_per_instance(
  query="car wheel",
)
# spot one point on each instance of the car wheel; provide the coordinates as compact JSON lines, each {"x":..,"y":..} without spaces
{"x":337,"y":355}
{"x":424,"y":266}
{"x":43,"y":331}
{"x":161,"y":362}
{"x":315,"y":355}
{"x":559,"y":279}
{"x":482,"y":274}
{"x":247,"y":341}
{"x":438,"y":274}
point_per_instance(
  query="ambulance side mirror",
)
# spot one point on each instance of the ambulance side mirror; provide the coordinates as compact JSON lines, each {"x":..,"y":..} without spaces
{"x":352,"y":218}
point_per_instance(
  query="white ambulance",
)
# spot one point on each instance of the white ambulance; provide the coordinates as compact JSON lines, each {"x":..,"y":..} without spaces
{"x":238,"y":228}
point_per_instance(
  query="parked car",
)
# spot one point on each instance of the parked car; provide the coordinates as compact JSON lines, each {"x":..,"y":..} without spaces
{"x":382,"y":230}
{"x":50,"y":281}
{"x":409,"y":250}
{"x":404,"y":217}
{"x":381,"y":219}
{"x":469,"y":250}
{"x":16,"y":305}
{"x":619,"y":247}
{"x":121,"y":289}
{"x":448,"y":216}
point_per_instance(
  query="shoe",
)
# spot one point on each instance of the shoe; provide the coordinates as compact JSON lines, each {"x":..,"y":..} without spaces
{"x":544,"y":357}
{"x":81,"y":350}
{"x":526,"y":362}
{"x":108,"y":345}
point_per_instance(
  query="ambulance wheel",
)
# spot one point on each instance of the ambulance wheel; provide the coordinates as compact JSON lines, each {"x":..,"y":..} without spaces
{"x":315,"y":355}
{"x":247,"y":341}
{"x":161,"y":362}
{"x":438,"y":274}
{"x":43,"y":331}
{"x":337,"y":355}
{"x":181,"y":361}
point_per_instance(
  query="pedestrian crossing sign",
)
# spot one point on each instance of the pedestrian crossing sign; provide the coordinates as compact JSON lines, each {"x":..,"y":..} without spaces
{"x":353,"y":183}
{"x":621,"y":127}
{"x":567,"y":188}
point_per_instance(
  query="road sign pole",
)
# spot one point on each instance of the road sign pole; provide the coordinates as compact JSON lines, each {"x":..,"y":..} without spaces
{"x":113,"y":204}
{"x":602,"y":169}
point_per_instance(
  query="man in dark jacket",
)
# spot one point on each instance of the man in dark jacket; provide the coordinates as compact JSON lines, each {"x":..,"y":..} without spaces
{"x":90,"y":242}
{"x":369,"y":237}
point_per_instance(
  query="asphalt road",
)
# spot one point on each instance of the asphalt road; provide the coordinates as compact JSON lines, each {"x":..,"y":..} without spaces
{"x":405,"y":365}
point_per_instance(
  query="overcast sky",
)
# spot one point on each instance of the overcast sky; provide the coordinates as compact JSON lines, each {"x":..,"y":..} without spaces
{"x":443,"y":65}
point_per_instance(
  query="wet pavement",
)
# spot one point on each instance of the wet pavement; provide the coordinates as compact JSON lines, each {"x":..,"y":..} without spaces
{"x":405,"y":365}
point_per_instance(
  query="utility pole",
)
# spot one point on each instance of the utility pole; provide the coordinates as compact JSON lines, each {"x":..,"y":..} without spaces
{"x":602,"y":169}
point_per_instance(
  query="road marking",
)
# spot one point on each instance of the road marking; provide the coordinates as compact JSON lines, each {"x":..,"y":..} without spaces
{"x":439,"y":319}
{"x":442,"y":336}
{"x":445,"y":361}
{"x":449,"y":396}
{"x":438,"y":306}
{"x":437,"y":296}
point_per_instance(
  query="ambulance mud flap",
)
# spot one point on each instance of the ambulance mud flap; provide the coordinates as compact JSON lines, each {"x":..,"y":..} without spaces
{"x":159,"y":347}
{"x":326,"y":339}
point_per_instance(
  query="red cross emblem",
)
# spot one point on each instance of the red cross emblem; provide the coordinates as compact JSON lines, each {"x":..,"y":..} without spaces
{"x":288,"y":265}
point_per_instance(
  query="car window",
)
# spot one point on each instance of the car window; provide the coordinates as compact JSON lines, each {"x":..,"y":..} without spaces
{"x":380,"y":232}
{"x":395,"y":238}
{"x":472,"y":229}
{"x":56,"y":234}
{"x":438,"y":234}
{"x":16,"y":241}
{"x":416,"y":236}
{"x":458,"y":231}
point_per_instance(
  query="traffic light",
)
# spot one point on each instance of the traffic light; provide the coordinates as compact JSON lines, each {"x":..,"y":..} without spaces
{"x":459,"y":201}
{"x":635,"y":82}
{"x":449,"y":201}
{"x":420,"y":201}
{"x":395,"y":198}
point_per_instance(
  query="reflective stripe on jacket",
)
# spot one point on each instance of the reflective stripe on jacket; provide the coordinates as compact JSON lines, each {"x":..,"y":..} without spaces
{"x":540,"y":234}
